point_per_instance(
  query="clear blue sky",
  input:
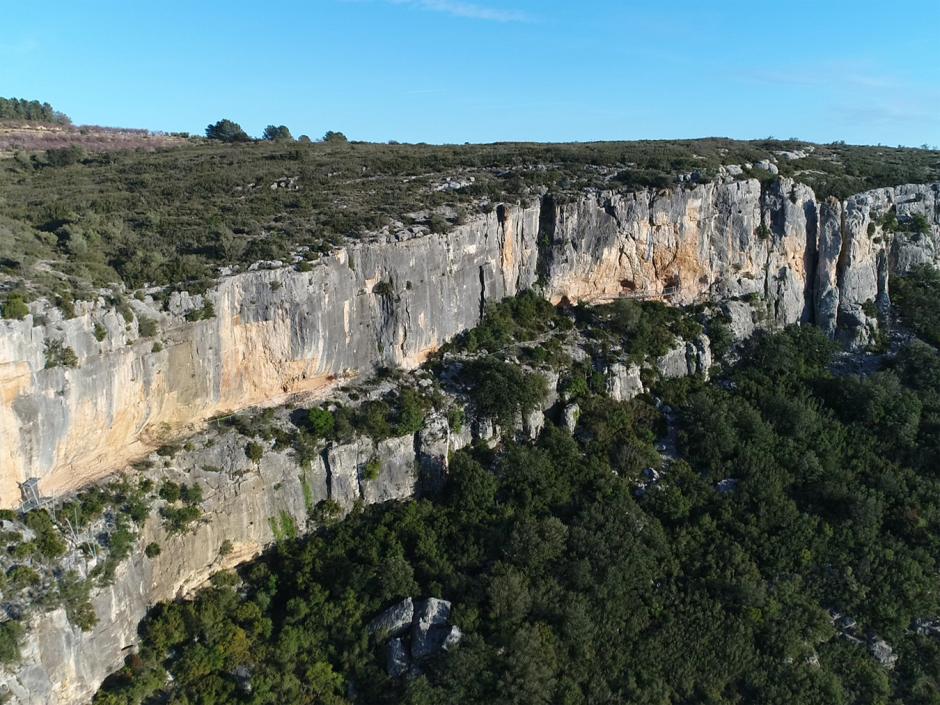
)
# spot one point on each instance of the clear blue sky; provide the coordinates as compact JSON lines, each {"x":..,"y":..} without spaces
{"x":486,"y":70}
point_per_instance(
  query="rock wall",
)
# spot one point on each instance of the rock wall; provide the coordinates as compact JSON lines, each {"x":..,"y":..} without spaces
{"x":243,"y":505}
{"x":280,"y":332}
{"x":275,"y":333}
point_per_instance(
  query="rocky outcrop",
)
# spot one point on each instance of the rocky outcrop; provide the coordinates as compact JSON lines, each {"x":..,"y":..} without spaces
{"x":623,"y":381}
{"x":416,"y":630}
{"x":274,"y":333}
{"x":686,"y":359}
{"x":280,"y":332}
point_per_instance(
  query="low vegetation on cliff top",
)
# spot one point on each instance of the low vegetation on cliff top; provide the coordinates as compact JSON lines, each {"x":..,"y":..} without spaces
{"x":74,"y":217}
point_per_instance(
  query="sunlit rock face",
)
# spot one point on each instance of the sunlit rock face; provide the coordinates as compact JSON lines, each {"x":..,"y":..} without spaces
{"x":280,"y":332}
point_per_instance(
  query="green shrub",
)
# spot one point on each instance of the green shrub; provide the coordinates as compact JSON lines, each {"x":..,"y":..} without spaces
{"x":64,"y":156}
{"x":49,"y":542}
{"x":152,"y":550}
{"x":501,"y":390}
{"x":254,"y":451}
{"x":372,"y":469}
{"x":100,"y":332}
{"x":191,"y":494}
{"x":916,"y":296}
{"x":321,"y":422}
{"x":227,"y":131}
{"x":58,"y":354}
{"x":456,"y":419}
{"x":11,"y":634}
{"x":180,"y":519}
{"x":147,"y":327}
{"x":204,"y":313}
{"x":169,"y":491}
{"x":15,"y":307}
{"x":277,"y":133}
{"x":73,"y":592}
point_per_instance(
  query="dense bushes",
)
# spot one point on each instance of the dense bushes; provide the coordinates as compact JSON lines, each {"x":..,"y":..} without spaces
{"x":502,"y":391}
{"x":398,"y":413}
{"x":15,"y":307}
{"x":520,"y":318}
{"x":645,"y":329}
{"x":227,"y":131}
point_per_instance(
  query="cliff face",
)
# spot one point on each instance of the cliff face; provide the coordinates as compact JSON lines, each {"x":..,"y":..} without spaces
{"x":275,"y":333}
{"x":281,"y":332}
{"x":244,"y":504}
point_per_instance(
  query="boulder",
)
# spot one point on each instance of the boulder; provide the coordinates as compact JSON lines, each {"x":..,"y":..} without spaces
{"x":396,"y":658}
{"x":727,"y":486}
{"x":429,"y":630}
{"x":434,"y":441}
{"x":740,"y":317}
{"x":686,"y":358}
{"x":569,"y":417}
{"x":532,"y":423}
{"x":453,"y":638}
{"x":397,"y":478}
{"x":882,"y":652}
{"x":767,"y":165}
{"x":394,"y":621}
{"x":342,"y":464}
{"x":623,"y":381}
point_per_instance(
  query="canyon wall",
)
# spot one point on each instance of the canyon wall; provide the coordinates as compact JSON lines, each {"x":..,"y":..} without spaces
{"x":280,"y":332}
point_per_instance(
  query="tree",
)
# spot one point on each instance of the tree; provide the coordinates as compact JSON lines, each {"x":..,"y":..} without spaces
{"x":277,"y":133}
{"x":335,"y":137}
{"x":254,"y":451}
{"x":321,"y":422}
{"x":227,"y":131}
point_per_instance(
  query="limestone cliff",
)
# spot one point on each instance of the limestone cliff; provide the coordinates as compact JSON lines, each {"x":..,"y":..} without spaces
{"x":279,"y":332}
{"x":243,"y":506}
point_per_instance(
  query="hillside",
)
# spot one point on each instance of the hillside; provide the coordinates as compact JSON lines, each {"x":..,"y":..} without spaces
{"x":603,"y":393}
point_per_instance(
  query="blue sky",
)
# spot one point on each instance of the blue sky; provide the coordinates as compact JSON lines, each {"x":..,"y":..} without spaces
{"x":487,"y":70}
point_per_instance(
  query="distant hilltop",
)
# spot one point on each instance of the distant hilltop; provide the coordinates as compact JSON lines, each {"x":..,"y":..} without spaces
{"x":33,"y":126}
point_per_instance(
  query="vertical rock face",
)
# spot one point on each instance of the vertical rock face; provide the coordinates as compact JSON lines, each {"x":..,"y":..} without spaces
{"x":829,"y":249}
{"x":275,"y":333}
{"x":245,"y":506}
{"x":281,"y":332}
